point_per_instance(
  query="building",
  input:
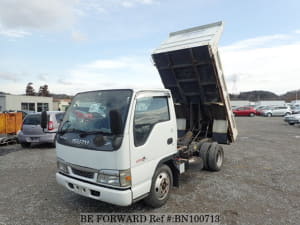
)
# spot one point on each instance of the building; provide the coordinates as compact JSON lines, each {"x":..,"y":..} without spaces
{"x":61,"y":104}
{"x":27,"y":103}
{"x":239,"y":103}
{"x":271,"y":103}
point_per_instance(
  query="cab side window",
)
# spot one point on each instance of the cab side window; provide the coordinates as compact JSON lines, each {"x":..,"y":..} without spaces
{"x":148,"y":112}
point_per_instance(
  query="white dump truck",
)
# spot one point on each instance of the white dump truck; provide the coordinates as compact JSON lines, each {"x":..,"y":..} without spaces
{"x":120,"y":146}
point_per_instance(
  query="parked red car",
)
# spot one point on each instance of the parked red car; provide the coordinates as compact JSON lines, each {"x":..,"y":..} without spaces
{"x":260,"y":110}
{"x":244,"y":111}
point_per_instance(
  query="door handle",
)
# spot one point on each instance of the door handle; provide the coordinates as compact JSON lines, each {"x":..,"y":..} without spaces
{"x":170,"y":141}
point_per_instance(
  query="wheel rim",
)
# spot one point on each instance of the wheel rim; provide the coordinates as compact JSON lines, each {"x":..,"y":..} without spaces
{"x":162,"y":185}
{"x":219,"y":159}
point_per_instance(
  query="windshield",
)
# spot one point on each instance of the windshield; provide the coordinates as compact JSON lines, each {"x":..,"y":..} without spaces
{"x":87,"y":118}
{"x":34,"y":119}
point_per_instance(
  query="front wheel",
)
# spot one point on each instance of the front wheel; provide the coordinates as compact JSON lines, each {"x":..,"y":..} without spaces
{"x":25,"y":144}
{"x":53,"y":145}
{"x":252,"y":115}
{"x":162,"y":182}
{"x":269,"y":114}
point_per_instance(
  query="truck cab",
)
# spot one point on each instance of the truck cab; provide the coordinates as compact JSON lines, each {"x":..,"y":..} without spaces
{"x":111,"y":141}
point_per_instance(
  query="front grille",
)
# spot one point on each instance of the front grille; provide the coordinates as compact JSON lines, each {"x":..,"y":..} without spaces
{"x":83,"y":173}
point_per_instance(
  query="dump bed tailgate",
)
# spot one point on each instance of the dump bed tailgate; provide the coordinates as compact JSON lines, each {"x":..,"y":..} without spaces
{"x":189,"y":65}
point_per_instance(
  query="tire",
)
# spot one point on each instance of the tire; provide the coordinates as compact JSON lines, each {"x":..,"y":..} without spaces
{"x":162,"y":182}
{"x":215,"y":157}
{"x":203,"y":154}
{"x":252,"y":115}
{"x":291,"y":124}
{"x":53,"y":145}
{"x":269,"y":114}
{"x":287,"y":114}
{"x":25,"y":144}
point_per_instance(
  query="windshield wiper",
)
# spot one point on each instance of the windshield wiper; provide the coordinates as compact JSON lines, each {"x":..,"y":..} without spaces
{"x":86,"y":133}
{"x":83,"y":133}
{"x":70,"y":130}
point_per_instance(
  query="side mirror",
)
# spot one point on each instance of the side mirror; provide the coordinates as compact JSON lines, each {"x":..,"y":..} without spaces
{"x":44,"y":119}
{"x":115,"y":122}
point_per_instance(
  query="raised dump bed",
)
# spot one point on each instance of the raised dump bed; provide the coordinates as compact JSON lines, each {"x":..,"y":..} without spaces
{"x":189,"y":65}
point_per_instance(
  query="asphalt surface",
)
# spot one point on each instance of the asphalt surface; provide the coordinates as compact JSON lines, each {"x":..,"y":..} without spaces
{"x":258,"y":184}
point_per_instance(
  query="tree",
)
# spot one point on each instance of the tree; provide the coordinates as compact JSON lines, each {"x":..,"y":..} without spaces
{"x":44,"y":90}
{"x":29,"y":89}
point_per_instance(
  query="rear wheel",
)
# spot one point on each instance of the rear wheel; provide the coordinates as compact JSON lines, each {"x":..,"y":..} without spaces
{"x":215,"y":157}
{"x":25,"y":144}
{"x":203,"y":154}
{"x":160,"y":188}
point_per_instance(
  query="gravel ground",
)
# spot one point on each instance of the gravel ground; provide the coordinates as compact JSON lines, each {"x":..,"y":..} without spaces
{"x":259,"y":183}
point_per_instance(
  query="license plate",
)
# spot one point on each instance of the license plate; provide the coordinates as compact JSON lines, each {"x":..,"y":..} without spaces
{"x":35,"y":139}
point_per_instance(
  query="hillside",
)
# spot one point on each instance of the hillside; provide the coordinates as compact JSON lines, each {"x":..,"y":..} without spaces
{"x":256,"y":95}
{"x":290,"y":96}
{"x":3,"y":93}
{"x":264,"y":95}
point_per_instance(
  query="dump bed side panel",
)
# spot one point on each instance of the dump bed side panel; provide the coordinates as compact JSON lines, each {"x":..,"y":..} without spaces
{"x":233,"y":132}
{"x":194,"y":75}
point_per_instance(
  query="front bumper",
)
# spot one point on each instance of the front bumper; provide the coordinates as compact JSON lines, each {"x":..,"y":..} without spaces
{"x":292,"y":121}
{"x":113,"y":196}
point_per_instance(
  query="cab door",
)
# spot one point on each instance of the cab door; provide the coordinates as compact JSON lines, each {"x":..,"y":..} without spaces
{"x":154,"y":136}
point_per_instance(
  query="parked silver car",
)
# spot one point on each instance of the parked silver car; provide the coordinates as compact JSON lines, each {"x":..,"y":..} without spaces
{"x":292,"y":119}
{"x":295,"y":109}
{"x":32,"y":132}
{"x":277,"y":111}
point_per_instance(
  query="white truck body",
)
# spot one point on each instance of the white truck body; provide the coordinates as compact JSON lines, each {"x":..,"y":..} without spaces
{"x":142,"y":156}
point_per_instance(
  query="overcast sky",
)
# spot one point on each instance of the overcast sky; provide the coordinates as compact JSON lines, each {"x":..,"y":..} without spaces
{"x":74,"y":45}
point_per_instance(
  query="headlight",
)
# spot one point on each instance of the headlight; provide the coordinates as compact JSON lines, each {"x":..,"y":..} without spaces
{"x":110,"y":177}
{"x":62,"y":166}
{"x":120,"y":178}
